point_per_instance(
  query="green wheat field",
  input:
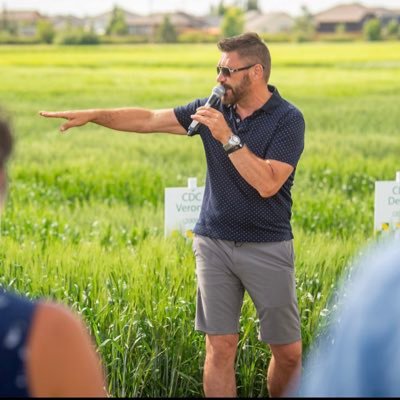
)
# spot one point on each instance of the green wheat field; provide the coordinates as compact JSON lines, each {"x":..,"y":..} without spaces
{"x":84,"y":220}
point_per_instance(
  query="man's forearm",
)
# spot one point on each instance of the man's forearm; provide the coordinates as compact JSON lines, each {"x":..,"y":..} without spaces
{"x":123,"y":119}
{"x":266,"y":176}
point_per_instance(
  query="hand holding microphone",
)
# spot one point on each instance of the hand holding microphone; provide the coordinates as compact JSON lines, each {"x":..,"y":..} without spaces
{"x":216,"y":94}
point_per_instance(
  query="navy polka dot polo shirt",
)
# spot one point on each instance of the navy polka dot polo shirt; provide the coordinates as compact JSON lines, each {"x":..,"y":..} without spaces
{"x":16,"y":314}
{"x":232,"y":209}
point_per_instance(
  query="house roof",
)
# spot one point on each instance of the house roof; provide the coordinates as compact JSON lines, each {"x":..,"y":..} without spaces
{"x":176,"y":18}
{"x":63,"y":20}
{"x":211,"y":21}
{"x":384,"y":12}
{"x":273,"y":22}
{"x":106,"y":16}
{"x":344,"y":13}
{"x":22,"y":16}
{"x":69,"y":17}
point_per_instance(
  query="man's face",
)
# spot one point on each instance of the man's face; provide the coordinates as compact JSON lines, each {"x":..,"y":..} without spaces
{"x":236,"y":84}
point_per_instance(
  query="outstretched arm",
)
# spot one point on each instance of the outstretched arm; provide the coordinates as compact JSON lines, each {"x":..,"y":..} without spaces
{"x":138,"y":120}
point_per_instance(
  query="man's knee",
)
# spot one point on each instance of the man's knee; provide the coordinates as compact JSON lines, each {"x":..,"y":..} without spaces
{"x":287,"y":355}
{"x":221,"y":348}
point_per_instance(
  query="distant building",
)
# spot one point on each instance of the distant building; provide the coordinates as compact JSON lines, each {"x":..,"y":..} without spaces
{"x":64,"y":22}
{"x":386,"y":15}
{"x":275,"y":22}
{"x":148,"y":25}
{"x":211,"y":24}
{"x":99,"y":23}
{"x":20,"y":22}
{"x":352,"y":17}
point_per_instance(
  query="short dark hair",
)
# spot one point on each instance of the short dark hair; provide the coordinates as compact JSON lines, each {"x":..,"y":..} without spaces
{"x":6,"y":139}
{"x":249,"y":45}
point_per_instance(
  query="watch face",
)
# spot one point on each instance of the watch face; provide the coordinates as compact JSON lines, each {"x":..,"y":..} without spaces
{"x":234,"y":140}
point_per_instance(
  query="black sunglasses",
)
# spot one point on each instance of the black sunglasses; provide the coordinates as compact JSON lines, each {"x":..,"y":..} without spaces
{"x":226,"y":71}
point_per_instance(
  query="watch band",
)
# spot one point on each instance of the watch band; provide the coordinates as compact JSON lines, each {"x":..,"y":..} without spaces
{"x":234,"y":148}
{"x":234,"y":143}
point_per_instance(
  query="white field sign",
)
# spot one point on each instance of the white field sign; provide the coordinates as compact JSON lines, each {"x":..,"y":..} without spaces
{"x":387,"y":205}
{"x":182,"y":208}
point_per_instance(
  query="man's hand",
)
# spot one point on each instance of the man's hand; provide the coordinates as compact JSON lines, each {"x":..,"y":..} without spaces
{"x":215,"y":121}
{"x":75,"y":118}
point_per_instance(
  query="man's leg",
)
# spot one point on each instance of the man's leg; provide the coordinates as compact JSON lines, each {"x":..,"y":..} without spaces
{"x":268,"y":276}
{"x":219,"y":373}
{"x":284,"y":369}
{"x":219,"y":301}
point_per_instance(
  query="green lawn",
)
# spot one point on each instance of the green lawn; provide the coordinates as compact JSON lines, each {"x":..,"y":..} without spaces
{"x":84,"y":220}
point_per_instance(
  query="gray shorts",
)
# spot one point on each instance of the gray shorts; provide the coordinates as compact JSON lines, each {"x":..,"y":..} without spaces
{"x":225,"y":269}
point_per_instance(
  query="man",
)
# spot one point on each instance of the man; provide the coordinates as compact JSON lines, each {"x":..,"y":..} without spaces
{"x":45,"y":351}
{"x":253,"y":140}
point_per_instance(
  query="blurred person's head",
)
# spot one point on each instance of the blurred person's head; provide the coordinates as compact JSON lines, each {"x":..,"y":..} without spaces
{"x":6,"y":143}
{"x":359,"y":355}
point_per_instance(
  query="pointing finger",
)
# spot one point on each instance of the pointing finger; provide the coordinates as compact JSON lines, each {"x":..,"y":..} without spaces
{"x":54,"y":114}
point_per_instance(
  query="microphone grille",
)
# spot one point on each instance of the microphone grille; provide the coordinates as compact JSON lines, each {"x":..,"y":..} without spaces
{"x":219,"y":90}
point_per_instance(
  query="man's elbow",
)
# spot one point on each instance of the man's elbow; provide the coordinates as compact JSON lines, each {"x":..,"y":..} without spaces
{"x":268,"y":191}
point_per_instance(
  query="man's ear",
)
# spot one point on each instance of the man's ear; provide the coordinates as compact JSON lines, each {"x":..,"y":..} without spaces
{"x":258,"y":72}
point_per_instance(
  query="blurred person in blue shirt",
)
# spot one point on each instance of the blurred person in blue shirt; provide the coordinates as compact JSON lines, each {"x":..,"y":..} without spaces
{"x":45,"y":350}
{"x":360,"y":355}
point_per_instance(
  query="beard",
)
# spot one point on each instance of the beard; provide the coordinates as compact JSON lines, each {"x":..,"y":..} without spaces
{"x":234,"y":94}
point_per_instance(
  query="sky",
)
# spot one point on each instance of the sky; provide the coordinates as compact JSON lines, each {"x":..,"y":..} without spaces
{"x":82,"y":8}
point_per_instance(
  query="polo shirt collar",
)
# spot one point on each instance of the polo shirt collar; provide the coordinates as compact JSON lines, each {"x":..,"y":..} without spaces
{"x":271,"y":104}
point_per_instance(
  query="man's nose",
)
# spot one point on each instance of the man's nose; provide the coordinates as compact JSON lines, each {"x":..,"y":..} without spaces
{"x":221,"y":78}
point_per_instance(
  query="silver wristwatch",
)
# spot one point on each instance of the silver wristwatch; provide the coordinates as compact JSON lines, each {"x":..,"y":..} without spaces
{"x":234,"y":143}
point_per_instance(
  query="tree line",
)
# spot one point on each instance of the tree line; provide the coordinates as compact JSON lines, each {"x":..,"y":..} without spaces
{"x":232,"y":23}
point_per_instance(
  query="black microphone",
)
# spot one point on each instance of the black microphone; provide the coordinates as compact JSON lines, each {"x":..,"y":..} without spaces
{"x":217,"y":93}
